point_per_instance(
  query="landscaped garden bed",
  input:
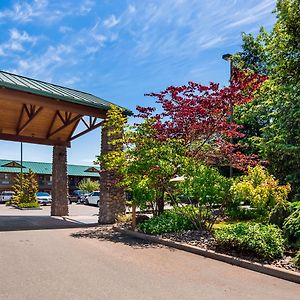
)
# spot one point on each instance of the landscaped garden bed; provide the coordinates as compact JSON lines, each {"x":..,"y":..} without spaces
{"x":205,"y":240}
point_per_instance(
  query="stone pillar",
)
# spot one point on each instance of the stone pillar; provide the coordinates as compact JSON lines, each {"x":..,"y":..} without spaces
{"x":112,"y":197}
{"x":59,"y":206}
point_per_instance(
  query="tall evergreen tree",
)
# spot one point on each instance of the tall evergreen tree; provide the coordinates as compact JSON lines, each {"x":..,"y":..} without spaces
{"x":273,"y":119}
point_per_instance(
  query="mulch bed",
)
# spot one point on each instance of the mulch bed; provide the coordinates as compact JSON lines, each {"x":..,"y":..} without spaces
{"x":205,"y":240}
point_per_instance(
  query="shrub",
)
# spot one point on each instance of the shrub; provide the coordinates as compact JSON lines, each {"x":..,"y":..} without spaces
{"x":174,"y":220}
{"x":260,"y":190}
{"x":291,"y":227}
{"x":279,"y":213}
{"x":29,"y":205}
{"x":89,"y":185}
{"x":296,"y":259}
{"x":207,"y":189}
{"x":265,"y":241}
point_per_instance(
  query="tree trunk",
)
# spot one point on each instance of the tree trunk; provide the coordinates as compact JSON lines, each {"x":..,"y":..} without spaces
{"x":59,"y":205}
{"x":112,"y":197}
{"x":160,"y":205}
{"x":133,"y":217}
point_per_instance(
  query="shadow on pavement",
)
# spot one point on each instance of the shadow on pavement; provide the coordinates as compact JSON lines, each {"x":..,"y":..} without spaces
{"x":106,"y":233}
{"x":17,"y":223}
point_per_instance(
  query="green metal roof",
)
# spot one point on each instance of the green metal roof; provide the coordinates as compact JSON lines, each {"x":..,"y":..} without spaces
{"x":37,"y":87}
{"x":45,"y":168}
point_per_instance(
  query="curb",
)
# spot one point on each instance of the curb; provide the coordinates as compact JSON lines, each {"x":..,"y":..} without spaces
{"x":264,"y":269}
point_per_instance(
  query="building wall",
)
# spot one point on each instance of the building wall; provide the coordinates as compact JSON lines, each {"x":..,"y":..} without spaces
{"x":44,"y":182}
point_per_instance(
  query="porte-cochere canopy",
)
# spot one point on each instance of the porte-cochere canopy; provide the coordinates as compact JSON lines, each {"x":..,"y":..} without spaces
{"x":38,"y":112}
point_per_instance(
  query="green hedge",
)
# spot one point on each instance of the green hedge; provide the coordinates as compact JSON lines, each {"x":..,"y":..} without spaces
{"x":173,"y":220}
{"x":29,"y":205}
{"x":265,"y":241}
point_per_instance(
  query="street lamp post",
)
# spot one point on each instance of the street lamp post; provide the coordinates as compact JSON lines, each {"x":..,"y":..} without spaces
{"x":228,"y":57}
{"x":21,"y":166}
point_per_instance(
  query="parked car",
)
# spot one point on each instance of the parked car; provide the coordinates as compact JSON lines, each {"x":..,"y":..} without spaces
{"x":77,"y":196}
{"x":6,"y":196}
{"x":43,"y":198}
{"x":93,"y":198}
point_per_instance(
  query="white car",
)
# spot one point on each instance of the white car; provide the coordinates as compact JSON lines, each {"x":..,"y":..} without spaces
{"x":93,"y":198}
{"x":43,"y":198}
{"x":6,"y":196}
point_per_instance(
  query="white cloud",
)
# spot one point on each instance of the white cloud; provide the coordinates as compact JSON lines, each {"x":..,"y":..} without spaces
{"x":252,"y":15}
{"x":86,"y":6}
{"x":65,"y":29}
{"x":131,"y":9}
{"x":112,"y":21}
{"x":180,"y":28}
{"x":25,"y":12}
{"x":16,"y":42}
{"x":71,"y":80}
{"x":44,"y":65}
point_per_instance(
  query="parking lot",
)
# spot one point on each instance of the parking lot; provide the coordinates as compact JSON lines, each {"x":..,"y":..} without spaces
{"x":15,"y":219}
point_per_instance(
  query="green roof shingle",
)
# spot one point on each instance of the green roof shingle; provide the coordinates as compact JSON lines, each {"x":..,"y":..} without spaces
{"x":46,"y":168}
{"x":37,"y":87}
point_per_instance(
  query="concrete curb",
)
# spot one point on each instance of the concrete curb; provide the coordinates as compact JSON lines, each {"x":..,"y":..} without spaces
{"x":265,"y":269}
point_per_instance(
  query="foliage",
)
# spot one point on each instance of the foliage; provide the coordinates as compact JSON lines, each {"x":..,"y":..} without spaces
{"x":193,"y":126}
{"x":25,"y":188}
{"x":265,"y":241}
{"x":279,"y":213}
{"x":296,"y":259}
{"x":260,"y":190}
{"x":89,"y":185}
{"x":146,"y":165}
{"x":174,"y":220}
{"x":291,"y":227}
{"x":208,"y":189}
{"x":199,"y":116}
{"x":29,"y":205}
{"x":273,"y":119}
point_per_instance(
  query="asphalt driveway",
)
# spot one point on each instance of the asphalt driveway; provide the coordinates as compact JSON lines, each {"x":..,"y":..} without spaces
{"x":12,"y":219}
{"x":85,"y":264}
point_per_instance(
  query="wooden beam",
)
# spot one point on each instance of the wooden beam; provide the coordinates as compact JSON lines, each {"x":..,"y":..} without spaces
{"x":78,"y":117}
{"x":20,"y":117}
{"x":73,"y":129}
{"x":86,"y":131}
{"x":85,"y":123}
{"x":51,"y":103}
{"x":34,"y":113}
{"x":34,"y":140}
{"x":52,"y":123}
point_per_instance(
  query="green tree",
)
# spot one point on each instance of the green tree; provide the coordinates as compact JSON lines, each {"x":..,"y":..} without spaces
{"x":146,"y":165}
{"x":273,"y":119}
{"x":25,"y":188}
{"x":89,"y":185}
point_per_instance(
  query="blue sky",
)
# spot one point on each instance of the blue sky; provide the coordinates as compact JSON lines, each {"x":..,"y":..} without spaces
{"x":121,"y":49}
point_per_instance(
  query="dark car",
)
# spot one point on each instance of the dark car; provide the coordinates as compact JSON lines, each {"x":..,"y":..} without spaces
{"x":77,"y":196}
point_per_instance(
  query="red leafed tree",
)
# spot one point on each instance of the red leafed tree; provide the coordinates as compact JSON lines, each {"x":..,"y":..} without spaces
{"x":199,"y":116}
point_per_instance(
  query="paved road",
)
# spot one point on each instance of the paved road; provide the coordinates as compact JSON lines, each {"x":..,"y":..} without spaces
{"x":12,"y":219}
{"x":53,"y":264}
